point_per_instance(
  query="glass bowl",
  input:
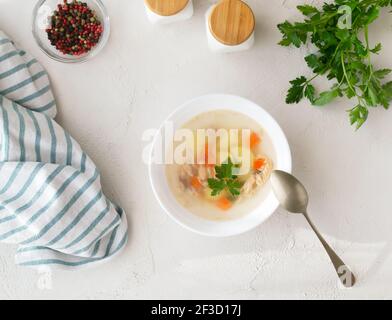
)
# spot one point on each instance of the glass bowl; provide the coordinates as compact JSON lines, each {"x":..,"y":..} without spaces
{"x":42,"y":13}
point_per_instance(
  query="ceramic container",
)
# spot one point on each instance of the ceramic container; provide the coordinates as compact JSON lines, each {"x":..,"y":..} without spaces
{"x":168,"y":11}
{"x":230,"y":26}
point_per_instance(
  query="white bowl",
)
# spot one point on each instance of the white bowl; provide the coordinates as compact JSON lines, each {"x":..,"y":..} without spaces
{"x":158,"y":175}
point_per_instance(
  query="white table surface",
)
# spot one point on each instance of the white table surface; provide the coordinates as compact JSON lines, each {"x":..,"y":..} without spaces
{"x":143,"y":74}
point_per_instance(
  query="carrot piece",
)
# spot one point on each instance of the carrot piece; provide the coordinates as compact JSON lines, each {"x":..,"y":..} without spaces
{"x":195,"y":183}
{"x":224,"y":203}
{"x":258,"y":164}
{"x":254,"y":140}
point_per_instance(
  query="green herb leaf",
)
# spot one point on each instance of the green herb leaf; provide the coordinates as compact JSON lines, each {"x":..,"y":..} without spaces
{"x":234,"y":187}
{"x":376,"y":49}
{"x":225,"y":180}
{"x":225,"y":171}
{"x":372,"y":14}
{"x":217,"y":186}
{"x":295,"y":34}
{"x":387,"y":88}
{"x":314,"y":63}
{"x":326,"y":97}
{"x":358,"y":116}
{"x":309,"y":92}
{"x":296,"y":92}
{"x":307,"y":10}
{"x":372,"y":96}
{"x":382,"y":73}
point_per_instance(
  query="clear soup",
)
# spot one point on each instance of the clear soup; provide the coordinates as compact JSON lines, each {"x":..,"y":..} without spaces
{"x":222,"y":164}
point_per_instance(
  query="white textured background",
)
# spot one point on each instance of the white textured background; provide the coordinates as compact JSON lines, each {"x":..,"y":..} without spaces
{"x":142,"y":75}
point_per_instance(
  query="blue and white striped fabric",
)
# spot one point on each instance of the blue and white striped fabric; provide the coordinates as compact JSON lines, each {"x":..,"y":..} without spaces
{"x":51,"y":200}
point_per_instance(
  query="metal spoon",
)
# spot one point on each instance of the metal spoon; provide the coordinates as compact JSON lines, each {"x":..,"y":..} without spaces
{"x":293,"y":196}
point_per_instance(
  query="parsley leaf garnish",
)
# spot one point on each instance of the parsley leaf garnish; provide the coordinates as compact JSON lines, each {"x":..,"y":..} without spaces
{"x":225,"y":180}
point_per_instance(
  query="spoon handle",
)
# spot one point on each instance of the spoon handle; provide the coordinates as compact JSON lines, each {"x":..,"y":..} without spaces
{"x":344,"y":273}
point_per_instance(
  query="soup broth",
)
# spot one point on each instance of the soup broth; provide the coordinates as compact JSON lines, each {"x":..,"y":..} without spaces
{"x":193,"y":183}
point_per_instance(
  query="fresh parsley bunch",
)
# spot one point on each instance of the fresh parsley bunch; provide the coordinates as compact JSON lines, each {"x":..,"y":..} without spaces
{"x":341,"y":56}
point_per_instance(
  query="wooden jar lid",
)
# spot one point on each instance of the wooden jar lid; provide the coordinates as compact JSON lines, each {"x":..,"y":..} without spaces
{"x":232,"y":22}
{"x":166,"y":7}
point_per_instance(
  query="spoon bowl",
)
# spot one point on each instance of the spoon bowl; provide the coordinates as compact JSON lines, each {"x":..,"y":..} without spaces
{"x":291,"y":194}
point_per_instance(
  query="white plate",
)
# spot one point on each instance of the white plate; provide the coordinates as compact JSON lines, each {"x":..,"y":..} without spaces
{"x":158,"y":176}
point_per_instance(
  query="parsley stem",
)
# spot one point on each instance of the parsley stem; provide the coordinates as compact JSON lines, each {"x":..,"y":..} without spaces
{"x":348,"y":80}
{"x":311,"y":79}
{"x":370,"y":66}
{"x":345,"y":74}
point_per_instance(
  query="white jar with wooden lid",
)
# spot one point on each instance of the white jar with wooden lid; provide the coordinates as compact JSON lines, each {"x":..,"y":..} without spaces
{"x":230,"y":26}
{"x":167,"y":11}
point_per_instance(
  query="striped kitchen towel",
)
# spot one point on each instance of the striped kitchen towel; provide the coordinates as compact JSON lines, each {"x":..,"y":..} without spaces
{"x":51,"y":201}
